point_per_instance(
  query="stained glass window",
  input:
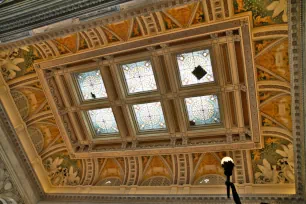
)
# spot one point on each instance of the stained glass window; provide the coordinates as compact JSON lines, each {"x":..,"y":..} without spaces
{"x":139,"y":77}
{"x":149,"y":116}
{"x":91,"y":85}
{"x":203,"y":110}
{"x":103,"y":121}
{"x":187,"y":62}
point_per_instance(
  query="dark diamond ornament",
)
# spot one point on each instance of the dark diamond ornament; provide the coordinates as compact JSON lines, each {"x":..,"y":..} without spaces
{"x":199,"y":72}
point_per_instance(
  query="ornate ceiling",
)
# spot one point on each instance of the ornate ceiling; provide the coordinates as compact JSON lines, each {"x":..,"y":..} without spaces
{"x":32,"y":17}
{"x":250,"y":118}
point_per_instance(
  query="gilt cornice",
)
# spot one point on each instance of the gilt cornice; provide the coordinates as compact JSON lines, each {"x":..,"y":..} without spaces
{"x":34,"y":14}
{"x":26,"y":37}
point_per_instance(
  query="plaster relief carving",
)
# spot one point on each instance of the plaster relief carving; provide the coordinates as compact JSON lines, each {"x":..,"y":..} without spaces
{"x":8,"y":192}
{"x":17,"y":62}
{"x":274,"y":163}
{"x":60,"y":173}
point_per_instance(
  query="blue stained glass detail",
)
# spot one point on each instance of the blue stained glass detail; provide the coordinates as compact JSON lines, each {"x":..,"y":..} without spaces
{"x":103,"y":121}
{"x":149,"y":116}
{"x":91,"y":85}
{"x":203,"y":110}
{"x":139,"y":77}
{"x":188,"y":61}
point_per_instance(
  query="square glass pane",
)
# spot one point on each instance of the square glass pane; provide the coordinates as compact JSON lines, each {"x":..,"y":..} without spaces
{"x":103,"y":121}
{"x":149,"y":116}
{"x":139,"y":77}
{"x":91,"y":85}
{"x":187,"y":62}
{"x":203,"y":110}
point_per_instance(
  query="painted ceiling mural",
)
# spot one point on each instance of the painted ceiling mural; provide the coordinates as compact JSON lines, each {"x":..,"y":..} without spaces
{"x":264,"y":12}
{"x":272,"y":164}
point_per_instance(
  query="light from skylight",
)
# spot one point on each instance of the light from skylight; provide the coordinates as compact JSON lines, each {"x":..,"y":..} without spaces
{"x":187,"y":62}
{"x":149,"y":116}
{"x":203,"y":110}
{"x":139,"y":77}
{"x":103,"y":121}
{"x":91,"y":85}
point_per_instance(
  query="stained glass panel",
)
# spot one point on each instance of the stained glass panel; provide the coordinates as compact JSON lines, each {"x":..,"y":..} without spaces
{"x":103,"y":121}
{"x":149,"y":116}
{"x":139,"y":77}
{"x":91,"y":85}
{"x":187,"y":63}
{"x":203,"y":110}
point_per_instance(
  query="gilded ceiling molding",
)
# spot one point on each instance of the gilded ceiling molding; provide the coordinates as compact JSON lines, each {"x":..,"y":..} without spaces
{"x":9,"y":193}
{"x":270,"y":31}
{"x":79,"y":146}
{"x":128,"y":30}
{"x":277,"y":132}
{"x":83,"y":26}
{"x":15,"y":169}
{"x":176,"y":198}
{"x":13,"y":129}
{"x":43,"y":14}
{"x":182,"y":170}
{"x":297,"y":69}
{"x":303,"y":63}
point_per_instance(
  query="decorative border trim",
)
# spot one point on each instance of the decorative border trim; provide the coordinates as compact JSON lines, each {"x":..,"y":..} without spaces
{"x":297,"y":87}
{"x":178,"y":199}
{"x":267,"y":33}
{"x":18,"y":148}
{"x":50,"y":14}
{"x":116,"y":17}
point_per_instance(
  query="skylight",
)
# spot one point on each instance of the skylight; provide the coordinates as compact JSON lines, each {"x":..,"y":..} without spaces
{"x":149,"y":116}
{"x":203,"y":110}
{"x":103,"y":121}
{"x":139,"y":77}
{"x":187,"y":62}
{"x":91,"y":85}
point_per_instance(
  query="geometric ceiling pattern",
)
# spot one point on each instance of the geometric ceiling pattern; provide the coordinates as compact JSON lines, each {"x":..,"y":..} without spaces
{"x":124,"y":117}
{"x":154,"y":100}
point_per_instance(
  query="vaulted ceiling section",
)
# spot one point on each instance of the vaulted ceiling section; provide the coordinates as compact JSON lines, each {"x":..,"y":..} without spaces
{"x":116,"y":105}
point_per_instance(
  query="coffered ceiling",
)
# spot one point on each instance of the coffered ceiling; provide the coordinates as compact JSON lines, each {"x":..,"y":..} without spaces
{"x":115,"y":108}
{"x":152,"y":100}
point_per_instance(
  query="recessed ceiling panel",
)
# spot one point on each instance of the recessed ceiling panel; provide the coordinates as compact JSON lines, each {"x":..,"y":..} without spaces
{"x":149,"y":116}
{"x":187,"y":62}
{"x":203,"y":110}
{"x":139,"y":77}
{"x":127,"y":81}
{"x":103,"y":121}
{"x":91,"y":85}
